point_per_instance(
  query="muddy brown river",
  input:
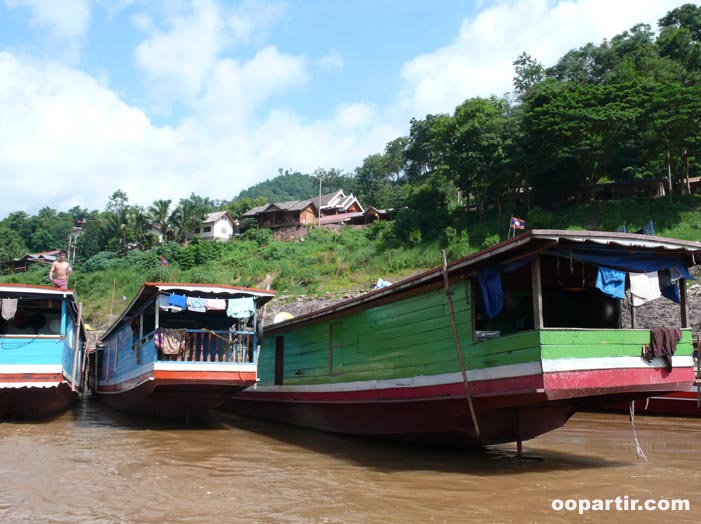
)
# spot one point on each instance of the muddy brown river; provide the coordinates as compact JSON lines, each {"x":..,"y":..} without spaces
{"x":93,"y":465}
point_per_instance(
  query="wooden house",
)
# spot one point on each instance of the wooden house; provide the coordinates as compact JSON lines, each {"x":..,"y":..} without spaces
{"x":336,"y":207}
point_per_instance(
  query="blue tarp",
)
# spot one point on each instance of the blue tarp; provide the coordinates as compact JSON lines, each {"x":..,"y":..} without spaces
{"x":622,"y":260}
{"x":614,"y":262}
{"x":492,"y":293}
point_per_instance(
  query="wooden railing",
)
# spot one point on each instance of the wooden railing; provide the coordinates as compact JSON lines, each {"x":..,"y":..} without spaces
{"x":204,"y":345}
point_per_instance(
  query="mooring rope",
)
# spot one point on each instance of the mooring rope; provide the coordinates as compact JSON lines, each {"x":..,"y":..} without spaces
{"x":638,"y":450}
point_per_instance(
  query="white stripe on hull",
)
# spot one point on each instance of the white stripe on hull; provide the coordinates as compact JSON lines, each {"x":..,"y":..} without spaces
{"x":30,"y":368}
{"x":585,"y":364}
{"x":17,"y":385}
{"x":476,"y":375}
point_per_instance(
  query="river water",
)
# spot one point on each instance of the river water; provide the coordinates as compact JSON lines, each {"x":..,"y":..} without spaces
{"x":94,"y":465}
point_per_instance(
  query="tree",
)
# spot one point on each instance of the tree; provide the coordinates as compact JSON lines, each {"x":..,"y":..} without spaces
{"x":477,"y":159}
{"x":576,"y":130}
{"x":159,"y":215}
{"x":680,"y":36}
{"x":427,"y":146}
{"x":673,"y":128}
{"x":185,"y":218}
{"x":117,"y":201}
{"x":528,"y":73}
{"x":140,"y":226}
{"x":242,"y":205}
{"x":11,"y":244}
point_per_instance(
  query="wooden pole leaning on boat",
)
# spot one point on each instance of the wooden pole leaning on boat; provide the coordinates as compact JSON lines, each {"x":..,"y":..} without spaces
{"x":446,"y":283}
{"x":76,"y":345}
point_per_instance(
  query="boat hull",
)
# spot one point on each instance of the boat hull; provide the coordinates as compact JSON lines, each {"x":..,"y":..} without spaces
{"x":683,"y":403}
{"x":35,"y":402}
{"x":175,"y":393}
{"x":507,"y":410}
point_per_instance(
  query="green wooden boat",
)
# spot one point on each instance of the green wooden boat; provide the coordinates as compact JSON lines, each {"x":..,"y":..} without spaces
{"x":499,"y":346}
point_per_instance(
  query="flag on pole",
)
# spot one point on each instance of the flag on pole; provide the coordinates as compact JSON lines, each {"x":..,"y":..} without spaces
{"x":517,"y":223}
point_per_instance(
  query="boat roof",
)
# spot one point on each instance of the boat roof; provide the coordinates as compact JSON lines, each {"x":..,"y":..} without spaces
{"x":34,"y":291}
{"x":149,"y":291}
{"x":520,"y":248}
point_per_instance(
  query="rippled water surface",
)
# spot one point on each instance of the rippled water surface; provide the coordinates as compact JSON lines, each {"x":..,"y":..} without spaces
{"x":94,"y":465}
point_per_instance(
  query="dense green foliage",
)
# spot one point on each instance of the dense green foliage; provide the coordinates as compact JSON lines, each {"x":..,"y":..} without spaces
{"x":627,"y":109}
{"x":332,"y":262}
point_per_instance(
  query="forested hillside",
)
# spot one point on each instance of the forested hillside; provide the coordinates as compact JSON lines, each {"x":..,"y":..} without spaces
{"x":626,"y":109}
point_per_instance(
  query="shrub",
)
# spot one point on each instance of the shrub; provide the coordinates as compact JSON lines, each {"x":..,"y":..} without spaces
{"x":100,"y":262}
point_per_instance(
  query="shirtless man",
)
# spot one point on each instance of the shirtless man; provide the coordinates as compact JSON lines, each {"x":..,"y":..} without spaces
{"x":62,"y":269}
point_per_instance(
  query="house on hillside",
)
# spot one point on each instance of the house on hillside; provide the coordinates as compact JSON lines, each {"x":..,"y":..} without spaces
{"x":332,"y":208}
{"x":23,"y":263}
{"x":216,"y":226}
{"x":651,"y":187}
{"x":338,"y":203}
{"x":284,"y":214}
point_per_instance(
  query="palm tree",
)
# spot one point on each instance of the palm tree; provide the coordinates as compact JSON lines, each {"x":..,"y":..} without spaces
{"x":159,"y":213}
{"x":185,"y":218}
{"x":140,"y":225}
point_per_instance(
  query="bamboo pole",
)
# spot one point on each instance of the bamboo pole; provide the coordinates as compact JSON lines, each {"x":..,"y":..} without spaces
{"x":76,"y":347}
{"x":446,"y":283}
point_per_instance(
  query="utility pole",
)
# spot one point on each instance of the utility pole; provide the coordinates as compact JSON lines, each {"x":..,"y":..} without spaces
{"x":320,"y":174}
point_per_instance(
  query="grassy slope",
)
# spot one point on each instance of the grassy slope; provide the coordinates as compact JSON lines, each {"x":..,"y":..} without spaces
{"x":333,"y":263}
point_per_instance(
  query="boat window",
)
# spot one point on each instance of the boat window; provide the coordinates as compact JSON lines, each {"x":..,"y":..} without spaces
{"x":569,"y":298}
{"x":33,"y":317}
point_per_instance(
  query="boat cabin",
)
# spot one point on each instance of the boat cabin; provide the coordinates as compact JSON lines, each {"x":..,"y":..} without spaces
{"x":574,"y":279}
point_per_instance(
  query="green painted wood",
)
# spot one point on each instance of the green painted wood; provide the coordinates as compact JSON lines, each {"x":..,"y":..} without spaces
{"x":602,"y":343}
{"x":414,"y":337}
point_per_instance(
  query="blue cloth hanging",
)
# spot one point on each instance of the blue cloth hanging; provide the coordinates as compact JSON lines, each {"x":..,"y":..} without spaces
{"x":241,"y":307}
{"x":611,"y":282}
{"x":177,"y":300}
{"x":492,"y":293}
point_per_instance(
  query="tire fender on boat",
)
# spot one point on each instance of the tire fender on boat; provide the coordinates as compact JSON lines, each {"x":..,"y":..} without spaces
{"x":259,"y":331}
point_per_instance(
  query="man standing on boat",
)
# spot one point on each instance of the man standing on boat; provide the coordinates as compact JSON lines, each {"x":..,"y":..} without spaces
{"x":61,"y":269}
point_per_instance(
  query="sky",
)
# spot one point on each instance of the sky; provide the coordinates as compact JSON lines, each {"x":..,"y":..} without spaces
{"x":165,"y":98}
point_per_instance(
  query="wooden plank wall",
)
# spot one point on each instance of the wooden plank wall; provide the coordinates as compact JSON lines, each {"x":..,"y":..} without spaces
{"x":401,"y":339}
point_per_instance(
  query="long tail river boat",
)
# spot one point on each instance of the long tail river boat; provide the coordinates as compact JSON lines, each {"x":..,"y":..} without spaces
{"x":500,"y":346}
{"x":41,"y":350}
{"x":179,"y":350}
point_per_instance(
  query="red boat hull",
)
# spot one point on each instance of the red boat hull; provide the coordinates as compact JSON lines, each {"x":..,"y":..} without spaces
{"x":437,"y":415}
{"x":173,"y":394}
{"x":35,"y":402}
{"x":679,"y":404}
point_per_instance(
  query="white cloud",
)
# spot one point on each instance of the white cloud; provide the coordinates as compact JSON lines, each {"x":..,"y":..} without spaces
{"x":235,"y":91}
{"x":332,"y":63}
{"x":177,"y":61}
{"x":252,"y":19}
{"x":67,"y":140}
{"x":63,"y":25}
{"x":65,"y":19}
{"x":64,"y":138}
{"x":479,"y":60}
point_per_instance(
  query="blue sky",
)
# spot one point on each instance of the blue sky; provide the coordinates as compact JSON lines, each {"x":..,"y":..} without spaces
{"x":164,"y":98}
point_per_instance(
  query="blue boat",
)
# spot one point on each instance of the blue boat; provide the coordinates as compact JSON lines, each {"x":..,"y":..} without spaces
{"x":180,"y":350}
{"x":41,"y":350}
